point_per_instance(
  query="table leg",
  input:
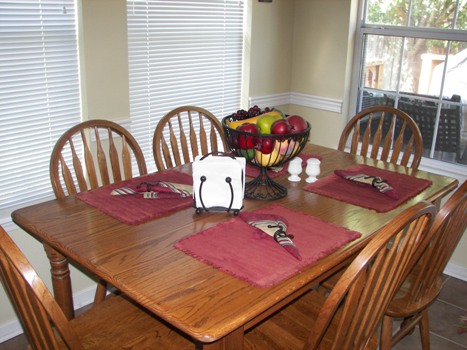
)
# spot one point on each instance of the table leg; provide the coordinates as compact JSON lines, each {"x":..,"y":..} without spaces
{"x":61,"y":281}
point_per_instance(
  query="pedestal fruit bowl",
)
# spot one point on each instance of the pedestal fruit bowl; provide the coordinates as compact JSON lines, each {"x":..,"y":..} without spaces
{"x":268,"y":140}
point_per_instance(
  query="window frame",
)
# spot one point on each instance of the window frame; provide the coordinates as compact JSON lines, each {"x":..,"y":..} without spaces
{"x":363,"y":29}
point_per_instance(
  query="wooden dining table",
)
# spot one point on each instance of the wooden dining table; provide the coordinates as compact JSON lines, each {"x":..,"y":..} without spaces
{"x":211,"y":306}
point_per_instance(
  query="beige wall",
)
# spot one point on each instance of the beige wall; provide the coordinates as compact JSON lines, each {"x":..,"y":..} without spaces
{"x":321,"y":59}
{"x":301,"y":46}
{"x":271,"y":47}
{"x":104,"y":59}
{"x":304,"y":46}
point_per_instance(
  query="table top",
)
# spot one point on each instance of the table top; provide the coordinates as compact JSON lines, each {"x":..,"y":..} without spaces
{"x":141,"y":261}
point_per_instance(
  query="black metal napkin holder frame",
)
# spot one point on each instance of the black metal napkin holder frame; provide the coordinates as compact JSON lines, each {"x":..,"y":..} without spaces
{"x":200,"y":205}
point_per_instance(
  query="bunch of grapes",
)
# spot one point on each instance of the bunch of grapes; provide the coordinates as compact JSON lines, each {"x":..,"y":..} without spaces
{"x":242,"y":114}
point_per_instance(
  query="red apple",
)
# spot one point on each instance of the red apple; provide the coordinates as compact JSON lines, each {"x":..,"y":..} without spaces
{"x":280,"y":127}
{"x":247,"y":141}
{"x":297,"y":123}
{"x":266,"y":120}
{"x":267,"y":145}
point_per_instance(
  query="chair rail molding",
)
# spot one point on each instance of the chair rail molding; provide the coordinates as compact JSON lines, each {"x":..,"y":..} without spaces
{"x":297,"y":98}
{"x":270,"y":100}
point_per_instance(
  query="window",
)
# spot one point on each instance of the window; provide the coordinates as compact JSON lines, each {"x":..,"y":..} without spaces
{"x":413,"y":56}
{"x":182,"y":53}
{"x":39,"y":94}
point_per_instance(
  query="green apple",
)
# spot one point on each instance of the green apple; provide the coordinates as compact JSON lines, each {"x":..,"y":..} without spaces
{"x":265,"y":122}
{"x":249,"y":154}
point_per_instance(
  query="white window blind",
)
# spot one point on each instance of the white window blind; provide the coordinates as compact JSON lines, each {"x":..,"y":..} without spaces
{"x":182,"y":53}
{"x":39,"y":94}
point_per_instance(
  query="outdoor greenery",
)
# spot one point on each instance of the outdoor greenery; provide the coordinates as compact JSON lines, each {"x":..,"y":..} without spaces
{"x":428,"y":14}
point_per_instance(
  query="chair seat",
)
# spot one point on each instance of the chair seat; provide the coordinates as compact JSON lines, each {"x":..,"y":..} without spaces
{"x":114,"y":323}
{"x":290,"y":327}
{"x":119,"y":323}
{"x":403,"y":304}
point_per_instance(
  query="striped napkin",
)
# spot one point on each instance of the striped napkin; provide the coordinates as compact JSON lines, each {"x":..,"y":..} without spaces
{"x":375,"y":181}
{"x":159,"y":189}
{"x":276,"y":227}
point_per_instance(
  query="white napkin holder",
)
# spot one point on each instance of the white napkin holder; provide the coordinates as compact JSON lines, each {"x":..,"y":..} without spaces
{"x":218,"y":182}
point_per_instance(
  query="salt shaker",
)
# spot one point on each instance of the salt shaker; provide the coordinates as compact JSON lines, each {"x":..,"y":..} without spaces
{"x":295,"y":168}
{"x":312,"y":169}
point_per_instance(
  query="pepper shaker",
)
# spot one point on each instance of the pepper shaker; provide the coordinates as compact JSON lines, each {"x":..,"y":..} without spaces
{"x":312,"y":169}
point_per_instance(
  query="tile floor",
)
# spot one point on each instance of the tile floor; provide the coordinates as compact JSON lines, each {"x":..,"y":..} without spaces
{"x":445,"y":315}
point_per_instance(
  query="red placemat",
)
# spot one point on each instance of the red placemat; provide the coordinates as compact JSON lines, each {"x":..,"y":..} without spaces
{"x":366,"y":196}
{"x":253,"y":171}
{"x":238,"y":249}
{"x":134,"y":209}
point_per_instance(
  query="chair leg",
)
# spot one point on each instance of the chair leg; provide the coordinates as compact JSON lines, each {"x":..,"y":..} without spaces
{"x":407,"y":327}
{"x":386,"y":333}
{"x":101,"y":292}
{"x":425,"y":329}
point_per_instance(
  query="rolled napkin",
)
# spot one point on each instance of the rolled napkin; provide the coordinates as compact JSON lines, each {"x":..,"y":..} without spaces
{"x":276,"y":227}
{"x":377,"y":182}
{"x":160,"y":189}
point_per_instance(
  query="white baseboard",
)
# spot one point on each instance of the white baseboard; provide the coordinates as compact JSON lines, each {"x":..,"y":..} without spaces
{"x":13,"y":328}
{"x":456,"y":271}
{"x":10,"y":330}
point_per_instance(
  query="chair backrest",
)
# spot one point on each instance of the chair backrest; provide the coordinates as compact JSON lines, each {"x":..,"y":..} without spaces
{"x":91,"y":154}
{"x":384,"y":133}
{"x":176,"y":140}
{"x":33,"y":302}
{"x":365,"y":289}
{"x":448,"y":227}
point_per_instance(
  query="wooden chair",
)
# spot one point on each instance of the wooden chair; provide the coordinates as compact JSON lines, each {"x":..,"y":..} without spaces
{"x":423,"y":285}
{"x":91,"y":154}
{"x":116,"y":323}
{"x":107,"y":162}
{"x":349,"y":317}
{"x":384,"y":133}
{"x":176,"y":140}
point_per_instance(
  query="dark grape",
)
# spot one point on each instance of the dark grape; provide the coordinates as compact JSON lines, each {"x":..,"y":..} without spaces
{"x":241,"y":114}
{"x":254,"y":111}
